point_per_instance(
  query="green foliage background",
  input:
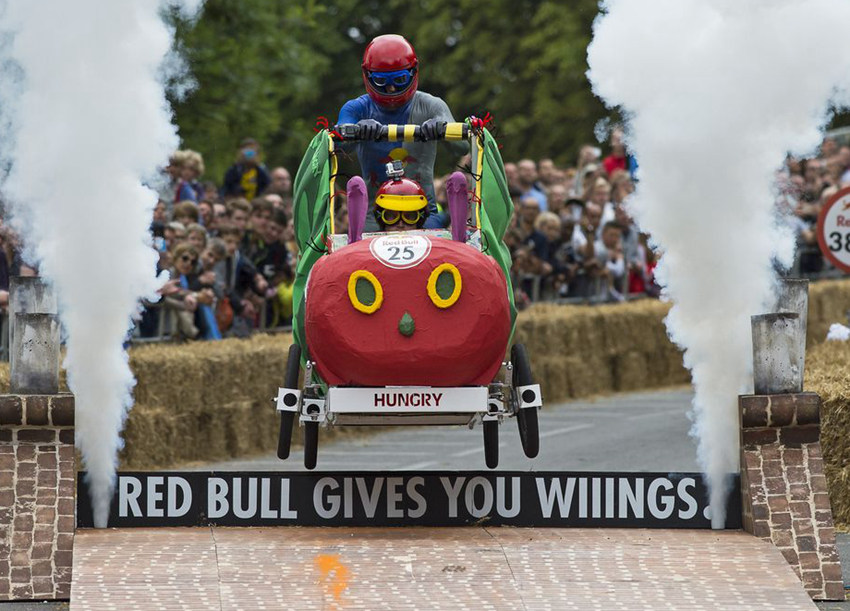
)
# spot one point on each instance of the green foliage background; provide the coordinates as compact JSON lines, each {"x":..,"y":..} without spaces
{"x":268,"y":68}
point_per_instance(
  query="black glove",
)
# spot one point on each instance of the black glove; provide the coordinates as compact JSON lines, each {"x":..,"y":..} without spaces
{"x":369,"y":129}
{"x":429,"y":131}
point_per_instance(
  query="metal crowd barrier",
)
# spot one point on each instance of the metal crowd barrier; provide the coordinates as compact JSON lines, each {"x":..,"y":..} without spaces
{"x":4,"y":337}
{"x":167,"y":330}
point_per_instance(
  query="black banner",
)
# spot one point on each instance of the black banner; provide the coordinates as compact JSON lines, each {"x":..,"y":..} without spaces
{"x":397,"y":498}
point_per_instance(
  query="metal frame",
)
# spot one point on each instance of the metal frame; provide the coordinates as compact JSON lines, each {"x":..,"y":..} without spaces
{"x":314,"y":405}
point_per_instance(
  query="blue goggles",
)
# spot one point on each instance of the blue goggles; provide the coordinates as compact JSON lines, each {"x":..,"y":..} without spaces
{"x":400,"y":79}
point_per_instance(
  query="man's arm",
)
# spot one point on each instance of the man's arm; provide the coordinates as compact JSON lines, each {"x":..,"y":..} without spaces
{"x":352,"y":111}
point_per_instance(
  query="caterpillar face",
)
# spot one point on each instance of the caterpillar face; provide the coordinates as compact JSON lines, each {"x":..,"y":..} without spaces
{"x":407,"y":310}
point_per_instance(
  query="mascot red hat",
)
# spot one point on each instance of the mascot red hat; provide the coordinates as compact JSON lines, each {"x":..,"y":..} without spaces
{"x":390,"y":70}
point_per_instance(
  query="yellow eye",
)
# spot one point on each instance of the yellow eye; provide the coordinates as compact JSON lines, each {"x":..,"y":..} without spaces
{"x":365,"y":291}
{"x":444,"y":285}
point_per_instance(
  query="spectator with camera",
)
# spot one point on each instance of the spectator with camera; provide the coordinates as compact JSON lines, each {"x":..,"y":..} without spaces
{"x":600,"y":194}
{"x":584,"y":238}
{"x":273,"y":261}
{"x":563,"y":256}
{"x":244,"y":286}
{"x":608,"y":251}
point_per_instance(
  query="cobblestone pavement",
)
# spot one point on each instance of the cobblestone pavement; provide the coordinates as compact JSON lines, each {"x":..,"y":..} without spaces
{"x":430,"y":569}
{"x":842,"y":540}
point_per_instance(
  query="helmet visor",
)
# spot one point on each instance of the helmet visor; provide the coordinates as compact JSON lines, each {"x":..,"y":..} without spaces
{"x":391,"y":83}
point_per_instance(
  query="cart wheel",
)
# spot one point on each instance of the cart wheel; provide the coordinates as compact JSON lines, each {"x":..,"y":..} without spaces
{"x":526,"y":418}
{"x":290,"y":380}
{"x":311,"y":444}
{"x":491,"y":443}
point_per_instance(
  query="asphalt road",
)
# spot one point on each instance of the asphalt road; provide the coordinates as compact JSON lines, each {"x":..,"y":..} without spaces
{"x":636,"y":432}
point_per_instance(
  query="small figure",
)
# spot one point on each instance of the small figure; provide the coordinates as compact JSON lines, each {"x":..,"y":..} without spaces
{"x":248,"y":177}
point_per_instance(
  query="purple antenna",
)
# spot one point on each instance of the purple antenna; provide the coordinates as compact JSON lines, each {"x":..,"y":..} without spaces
{"x":458,"y":196}
{"x":358,"y":204}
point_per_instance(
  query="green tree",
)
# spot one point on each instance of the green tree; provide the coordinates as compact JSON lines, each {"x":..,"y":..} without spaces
{"x":268,"y":69}
{"x":524,"y":61}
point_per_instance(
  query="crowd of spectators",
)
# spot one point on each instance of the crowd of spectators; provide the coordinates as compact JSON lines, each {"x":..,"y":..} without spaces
{"x":805,"y":185}
{"x":571,"y":237}
{"x":231,"y":253}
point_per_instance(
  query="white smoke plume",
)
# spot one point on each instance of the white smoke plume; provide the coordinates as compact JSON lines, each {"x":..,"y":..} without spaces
{"x":85,"y":120}
{"x":716,"y":93}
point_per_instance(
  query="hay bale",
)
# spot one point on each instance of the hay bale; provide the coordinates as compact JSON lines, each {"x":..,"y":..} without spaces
{"x":828,"y":374}
{"x":157,"y":437}
{"x":190,"y":377}
{"x":546,"y":337}
{"x":553,"y":380}
{"x":212,"y":400}
{"x":524,"y":329}
{"x":630,"y":371}
{"x":829,"y":301}
{"x":587,"y":376}
{"x":600,"y":349}
{"x":224,"y":390}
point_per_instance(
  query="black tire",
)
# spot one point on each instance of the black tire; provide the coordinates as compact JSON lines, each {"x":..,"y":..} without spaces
{"x":526,"y":419}
{"x":491,"y":443}
{"x":311,"y":444}
{"x":290,"y":380}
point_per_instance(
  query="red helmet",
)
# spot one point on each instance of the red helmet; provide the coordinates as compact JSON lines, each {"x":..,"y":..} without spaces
{"x":401,"y":194}
{"x":401,"y":200}
{"x":390,"y":70}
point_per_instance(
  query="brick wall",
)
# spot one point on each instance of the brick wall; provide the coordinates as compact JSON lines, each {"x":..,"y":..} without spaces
{"x":784,"y":492}
{"x":36,"y":496}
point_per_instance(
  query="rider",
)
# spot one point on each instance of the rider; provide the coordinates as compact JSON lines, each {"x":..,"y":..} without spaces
{"x":401,"y":204}
{"x":391,"y":75}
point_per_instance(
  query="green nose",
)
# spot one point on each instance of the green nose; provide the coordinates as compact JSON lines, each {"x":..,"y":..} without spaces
{"x":406,"y":326}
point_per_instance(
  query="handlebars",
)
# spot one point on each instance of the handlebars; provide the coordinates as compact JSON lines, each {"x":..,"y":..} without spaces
{"x":350,"y":132}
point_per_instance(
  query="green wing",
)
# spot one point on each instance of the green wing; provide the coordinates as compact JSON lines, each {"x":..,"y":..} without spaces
{"x":496,"y":208}
{"x":312,"y":190}
{"x":310,"y":208}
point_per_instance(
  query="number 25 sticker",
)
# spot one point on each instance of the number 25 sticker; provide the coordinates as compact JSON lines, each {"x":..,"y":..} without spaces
{"x":834,"y":230}
{"x":399,"y":251}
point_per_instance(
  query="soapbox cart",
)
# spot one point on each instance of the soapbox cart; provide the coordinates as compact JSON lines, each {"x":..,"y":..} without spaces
{"x":408,"y":327}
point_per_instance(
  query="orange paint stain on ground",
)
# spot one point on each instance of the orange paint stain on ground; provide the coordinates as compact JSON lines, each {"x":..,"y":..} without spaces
{"x":334,"y":573}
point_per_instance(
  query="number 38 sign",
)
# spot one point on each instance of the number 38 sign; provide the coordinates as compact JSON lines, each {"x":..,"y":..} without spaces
{"x":834,"y":229}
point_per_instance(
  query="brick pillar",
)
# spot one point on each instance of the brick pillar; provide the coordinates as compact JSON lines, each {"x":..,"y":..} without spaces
{"x":783,"y":487}
{"x":36,"y":496}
